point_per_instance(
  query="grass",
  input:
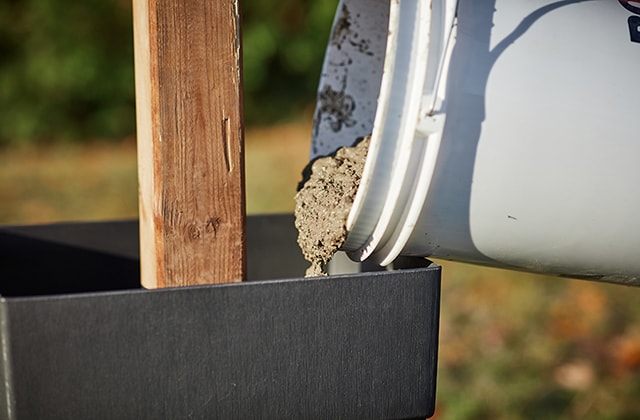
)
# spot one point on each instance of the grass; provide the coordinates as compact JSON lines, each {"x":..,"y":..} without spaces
{"x":275,"y":157}
{"x":68,"y":182}
{"x":520,"y":346}
{"x":98,"y":181}
{"x":512,"y":345}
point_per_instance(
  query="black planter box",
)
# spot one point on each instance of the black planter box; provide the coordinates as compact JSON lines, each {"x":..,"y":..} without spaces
{"x":81,"y":340}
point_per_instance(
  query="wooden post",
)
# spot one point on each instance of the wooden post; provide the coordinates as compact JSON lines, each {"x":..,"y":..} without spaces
{"x":190,"y":141}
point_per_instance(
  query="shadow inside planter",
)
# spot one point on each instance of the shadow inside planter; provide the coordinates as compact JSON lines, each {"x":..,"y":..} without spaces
{"x":33,"y":262}
{"x":68,"y":258}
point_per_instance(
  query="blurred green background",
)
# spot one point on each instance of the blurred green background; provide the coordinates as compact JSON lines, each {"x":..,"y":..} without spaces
{"x":66,"y":67}
{"x":512,"y":345}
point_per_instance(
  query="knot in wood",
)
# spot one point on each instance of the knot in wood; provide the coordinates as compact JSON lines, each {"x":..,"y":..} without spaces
{"x":193,"y":231}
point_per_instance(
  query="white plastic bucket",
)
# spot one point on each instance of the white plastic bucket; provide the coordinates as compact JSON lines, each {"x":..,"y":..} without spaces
{"x":504,"y":132}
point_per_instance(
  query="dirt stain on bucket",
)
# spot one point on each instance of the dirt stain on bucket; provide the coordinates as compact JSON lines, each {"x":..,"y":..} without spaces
{"x":323,"y":202}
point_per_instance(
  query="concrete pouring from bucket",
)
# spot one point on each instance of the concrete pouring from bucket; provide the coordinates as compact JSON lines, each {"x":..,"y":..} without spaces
{"x":501,"y":132}
{"x":323,"y":202}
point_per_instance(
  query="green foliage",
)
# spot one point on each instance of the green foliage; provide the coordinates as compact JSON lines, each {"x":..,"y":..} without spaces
{"x":284,"y":43}
{"x":66,"y":70}
{"x":66,"y":67}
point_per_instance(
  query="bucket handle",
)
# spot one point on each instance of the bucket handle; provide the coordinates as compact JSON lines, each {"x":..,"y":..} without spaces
{"x":447,"y":21}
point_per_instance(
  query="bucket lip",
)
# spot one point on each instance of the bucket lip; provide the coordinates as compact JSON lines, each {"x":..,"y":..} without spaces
{"x":368,"y":202}
{"x":375,"y":208}
{"x":390,"y":250}
{"x":401,"y":159}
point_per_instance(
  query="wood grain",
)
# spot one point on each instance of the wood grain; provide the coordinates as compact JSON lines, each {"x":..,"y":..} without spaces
{"x":190,"y":141}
